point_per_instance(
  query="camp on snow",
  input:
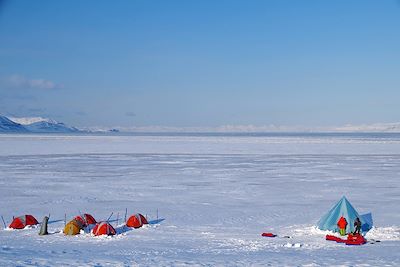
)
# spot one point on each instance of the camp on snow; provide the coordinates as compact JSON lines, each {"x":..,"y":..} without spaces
{"x":23,"y":221}
{"x":344,"y":209}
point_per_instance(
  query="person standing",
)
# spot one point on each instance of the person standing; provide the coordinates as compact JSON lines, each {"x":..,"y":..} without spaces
{"x":357,"y":226}
{"x":342,"y":224}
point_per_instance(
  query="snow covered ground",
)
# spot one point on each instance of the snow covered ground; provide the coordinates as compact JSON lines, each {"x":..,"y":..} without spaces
{"x":216,"y":194}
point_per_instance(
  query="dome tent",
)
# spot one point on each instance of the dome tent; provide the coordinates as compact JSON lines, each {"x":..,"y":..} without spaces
{"x":85,"y":219}
{"x":136,"y":221}
{"x":23,"y":221}
{"x":345,"y":209}
{"x":73,"y":227}
{"x":103,"y":228}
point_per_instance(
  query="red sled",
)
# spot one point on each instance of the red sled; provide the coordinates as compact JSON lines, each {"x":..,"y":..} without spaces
{"x":331,"y":238}
{"x":355,"y":240}
{"x":334,"y":238}
{"x":268,"y":234}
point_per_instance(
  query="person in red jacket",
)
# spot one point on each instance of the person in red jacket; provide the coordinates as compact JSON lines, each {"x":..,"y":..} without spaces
{"x":342,"y":224}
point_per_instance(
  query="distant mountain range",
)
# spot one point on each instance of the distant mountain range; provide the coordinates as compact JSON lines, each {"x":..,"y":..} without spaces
{"x":34,"y":125}
{"x":44,"y":125}
{"x":249,"y":129}
{"x":7,"y":125}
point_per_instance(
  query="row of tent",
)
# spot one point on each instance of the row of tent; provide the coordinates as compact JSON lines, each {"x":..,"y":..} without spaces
{"x":342,"y":208}
{"x":81,"y":222}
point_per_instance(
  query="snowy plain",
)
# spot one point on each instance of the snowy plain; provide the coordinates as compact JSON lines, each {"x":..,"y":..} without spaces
{"x":216,"y":194}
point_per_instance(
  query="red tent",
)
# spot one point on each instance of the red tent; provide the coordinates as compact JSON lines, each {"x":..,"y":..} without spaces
{"x":22,"y":221}
{"x":136,"y":221}
{"x":103,"y":228}
{"x":86,"y":220}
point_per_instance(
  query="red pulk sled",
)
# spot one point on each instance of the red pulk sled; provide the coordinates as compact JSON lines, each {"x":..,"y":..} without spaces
{"x":268,"y":235}
{"x":335,"y":238}
{"x":355,"y":239}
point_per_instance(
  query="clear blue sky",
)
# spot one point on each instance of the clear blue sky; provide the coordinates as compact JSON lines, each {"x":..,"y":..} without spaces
{"x":201,"y":63}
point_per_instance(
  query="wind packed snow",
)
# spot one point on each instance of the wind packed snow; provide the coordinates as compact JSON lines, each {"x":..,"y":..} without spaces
{"x":215,"y":195}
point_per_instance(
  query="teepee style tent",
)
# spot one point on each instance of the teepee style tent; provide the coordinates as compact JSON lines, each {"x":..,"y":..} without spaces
{"x":345,"y":209}
{"x":85,"y":219}
{"x":367,"y":222}
{"x":103,"y":228}
{"x":23,"y":221}
{"x":136,"y":221}
{"x":73,"y":227}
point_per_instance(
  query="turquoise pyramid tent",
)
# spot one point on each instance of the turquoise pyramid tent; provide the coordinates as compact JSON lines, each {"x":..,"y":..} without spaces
{"x":345,"y":209}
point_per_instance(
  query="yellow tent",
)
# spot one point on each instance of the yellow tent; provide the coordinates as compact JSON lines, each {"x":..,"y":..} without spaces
{"x":73,"y":227}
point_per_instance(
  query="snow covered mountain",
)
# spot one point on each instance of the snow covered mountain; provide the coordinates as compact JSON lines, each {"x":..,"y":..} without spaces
{"x":50,"y":127}
{"x":34,"y":125}
{"x":29,"y":120}
{"x":7,"y":125}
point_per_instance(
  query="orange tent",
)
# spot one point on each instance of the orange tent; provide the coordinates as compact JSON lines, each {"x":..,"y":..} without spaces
{"x":103,"y":228}
{"x":73,"y":227}
{"x":22,"y":221}
{"x":86,"y":219}
{"x":136,"y":221}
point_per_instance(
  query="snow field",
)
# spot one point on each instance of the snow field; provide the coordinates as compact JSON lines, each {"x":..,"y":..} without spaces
{"x":216,"y":194}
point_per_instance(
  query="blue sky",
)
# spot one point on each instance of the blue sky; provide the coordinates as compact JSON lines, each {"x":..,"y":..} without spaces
{"x":201,"y":63}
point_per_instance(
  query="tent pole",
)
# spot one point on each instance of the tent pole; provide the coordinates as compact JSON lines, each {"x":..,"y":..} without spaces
{"x":110,"y":216}
{"x":3,"y":222}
